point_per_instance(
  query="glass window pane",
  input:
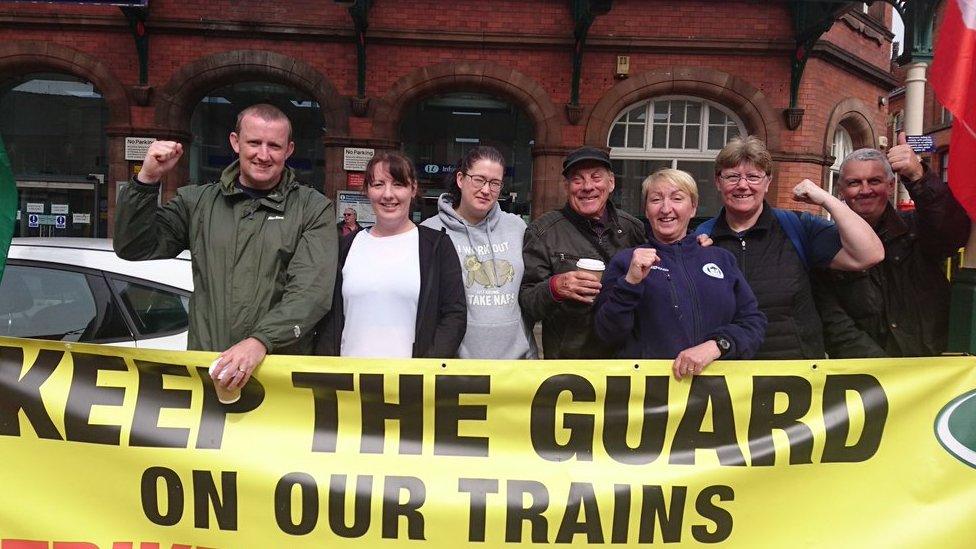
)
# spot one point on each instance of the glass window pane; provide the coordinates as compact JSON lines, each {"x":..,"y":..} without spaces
{"x":716,"y":116}
{"x":46,"y":304}
{"x":639,"y":114}
{"x":154,"y":310}
{"x":716,"y":137}
{"x":675,"y":137}
{"x":677,"y":112}
{"x":692,"y":133}
{"x":661,"y":111}
{"x":635,"y":136}
{"x":733,"y":132}
{"x":694,"y":112}
{"x":659,"y":139}
{"x":617,"y":134}
{"x":709,"y":202}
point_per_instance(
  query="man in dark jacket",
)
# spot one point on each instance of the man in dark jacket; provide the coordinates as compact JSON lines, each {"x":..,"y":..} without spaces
{"x":263,"y":246}
{"x":349,"y":224}
{"x":899,"y":307}
{"x":588,"y":227}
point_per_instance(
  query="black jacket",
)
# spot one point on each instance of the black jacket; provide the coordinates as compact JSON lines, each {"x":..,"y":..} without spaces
{"x":780,"y":280}
{"x":552,"y":245}
{"x":442,"y":313}
{"x":899,"y":307}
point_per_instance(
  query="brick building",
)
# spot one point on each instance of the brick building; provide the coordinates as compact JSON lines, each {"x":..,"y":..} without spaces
{"x":936,"y":119}
{"x":439,"y":76}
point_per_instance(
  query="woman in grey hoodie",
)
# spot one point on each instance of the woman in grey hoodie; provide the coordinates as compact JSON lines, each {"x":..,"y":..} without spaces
{"x":489,"y":246}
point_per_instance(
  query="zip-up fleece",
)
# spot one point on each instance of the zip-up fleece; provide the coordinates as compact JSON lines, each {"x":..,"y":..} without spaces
{"x":693,"y":295}
{"x":491,"y":265}
{"x":262,"y":267}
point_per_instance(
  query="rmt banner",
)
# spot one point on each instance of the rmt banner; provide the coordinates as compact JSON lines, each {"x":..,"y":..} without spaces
{"x":116,"y":448}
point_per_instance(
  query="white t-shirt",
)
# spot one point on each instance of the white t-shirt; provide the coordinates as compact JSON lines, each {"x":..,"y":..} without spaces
{"x":380,"y":291}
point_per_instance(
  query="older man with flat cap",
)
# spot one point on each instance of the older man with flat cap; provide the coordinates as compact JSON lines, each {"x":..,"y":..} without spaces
{"x":554,"y":290}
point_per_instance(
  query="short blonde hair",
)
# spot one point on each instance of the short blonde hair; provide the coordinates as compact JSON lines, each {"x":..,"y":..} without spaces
{"x":679,"y":178}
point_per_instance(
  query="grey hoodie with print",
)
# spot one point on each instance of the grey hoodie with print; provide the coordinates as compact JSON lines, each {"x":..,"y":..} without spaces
{"x":491,"y":265}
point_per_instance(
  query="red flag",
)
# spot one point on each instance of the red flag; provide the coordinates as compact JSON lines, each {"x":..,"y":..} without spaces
{"x":953,"y":78}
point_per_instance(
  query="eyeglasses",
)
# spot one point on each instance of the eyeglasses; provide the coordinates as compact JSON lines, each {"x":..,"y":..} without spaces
{"x":733,"y":178}
{"x":479,"y":182}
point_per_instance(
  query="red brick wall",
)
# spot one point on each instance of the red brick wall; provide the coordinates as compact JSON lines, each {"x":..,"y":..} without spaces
{"x":531,"y":37}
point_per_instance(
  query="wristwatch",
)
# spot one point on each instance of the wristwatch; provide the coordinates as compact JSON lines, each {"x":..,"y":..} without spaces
{"x":724,"y":345}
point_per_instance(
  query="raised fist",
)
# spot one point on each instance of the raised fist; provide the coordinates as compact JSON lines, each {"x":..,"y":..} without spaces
{"x":808,"y":192}
{"x":161,"y":157}
{"x":641,"y":263}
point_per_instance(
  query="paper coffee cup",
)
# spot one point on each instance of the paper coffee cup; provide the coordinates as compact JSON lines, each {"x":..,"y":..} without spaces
{"x":592,"y":266}
{"x":225,"y":396}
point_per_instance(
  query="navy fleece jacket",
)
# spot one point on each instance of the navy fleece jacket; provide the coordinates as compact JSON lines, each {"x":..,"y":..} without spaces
{"x":694,"y":294}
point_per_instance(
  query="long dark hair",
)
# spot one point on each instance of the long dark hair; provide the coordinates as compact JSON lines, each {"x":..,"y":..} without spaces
{"x":481,"y":152}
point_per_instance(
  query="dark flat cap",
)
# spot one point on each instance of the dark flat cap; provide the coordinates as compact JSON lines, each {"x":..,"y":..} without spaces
{"x":586,"y":154}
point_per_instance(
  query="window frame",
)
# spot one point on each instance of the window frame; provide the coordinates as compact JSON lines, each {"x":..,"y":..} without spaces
{"x":137,"y":334}
{"x":89,"y":274}
{"x":649,"y":152}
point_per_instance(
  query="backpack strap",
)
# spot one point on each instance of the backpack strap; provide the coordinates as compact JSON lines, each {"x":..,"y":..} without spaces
{"x":706,"y":227}
{"x":790,"y":222}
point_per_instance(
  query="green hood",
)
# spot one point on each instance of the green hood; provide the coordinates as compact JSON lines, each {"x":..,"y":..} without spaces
{"x":231,"y":173}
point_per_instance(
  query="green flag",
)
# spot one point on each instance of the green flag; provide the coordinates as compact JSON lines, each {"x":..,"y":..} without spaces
{"x":8,"y":205}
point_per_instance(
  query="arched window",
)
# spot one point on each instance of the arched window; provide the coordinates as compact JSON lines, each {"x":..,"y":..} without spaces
{"x":842,"y":146}
{"x":670,"y":132}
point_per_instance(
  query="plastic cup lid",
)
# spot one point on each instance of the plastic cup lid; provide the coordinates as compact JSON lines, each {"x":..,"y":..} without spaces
{"x":590,"y":264}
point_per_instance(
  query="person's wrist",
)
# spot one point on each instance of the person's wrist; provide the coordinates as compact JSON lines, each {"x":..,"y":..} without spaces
{"x":145,"y":179}
{"x":554,"y":288}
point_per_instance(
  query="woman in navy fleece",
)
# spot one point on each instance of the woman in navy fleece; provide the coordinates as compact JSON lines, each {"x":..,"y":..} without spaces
{"x":672,"y":298}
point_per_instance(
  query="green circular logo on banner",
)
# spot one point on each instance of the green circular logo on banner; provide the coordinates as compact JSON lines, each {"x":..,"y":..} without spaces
{"x":955,"y":427}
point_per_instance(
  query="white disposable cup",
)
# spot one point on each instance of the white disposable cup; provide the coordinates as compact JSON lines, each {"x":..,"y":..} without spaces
{"x":592,"y":266}
{"x":225,"y":396}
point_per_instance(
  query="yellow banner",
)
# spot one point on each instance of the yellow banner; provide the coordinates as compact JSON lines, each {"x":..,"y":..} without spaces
{"x":105,"y":447}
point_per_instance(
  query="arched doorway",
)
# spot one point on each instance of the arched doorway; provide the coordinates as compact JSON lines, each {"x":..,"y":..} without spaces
{"x":437,"y":131}
{"x":53,"y":126}
{"x":215,"y":117}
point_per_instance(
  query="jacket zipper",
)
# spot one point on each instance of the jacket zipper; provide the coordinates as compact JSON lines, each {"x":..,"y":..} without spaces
{"x":695,"y":317}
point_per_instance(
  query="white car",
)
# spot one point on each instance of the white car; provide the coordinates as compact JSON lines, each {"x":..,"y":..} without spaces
{"x":77,"y":289}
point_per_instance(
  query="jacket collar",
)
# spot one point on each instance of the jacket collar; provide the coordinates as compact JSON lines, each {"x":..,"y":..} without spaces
{"x":891,"y":225}
{"x":763,"y":223}
{"x":587,"y":223}
{"x":274,"y":201}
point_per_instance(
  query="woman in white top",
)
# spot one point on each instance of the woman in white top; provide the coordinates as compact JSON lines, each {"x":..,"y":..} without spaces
{"x":398,"y":291}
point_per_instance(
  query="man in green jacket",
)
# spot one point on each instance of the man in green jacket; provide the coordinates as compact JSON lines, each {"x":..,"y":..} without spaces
{"x":263,"y":246}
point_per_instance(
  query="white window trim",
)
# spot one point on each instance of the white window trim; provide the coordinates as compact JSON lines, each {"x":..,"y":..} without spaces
{"x":650,"y":153}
